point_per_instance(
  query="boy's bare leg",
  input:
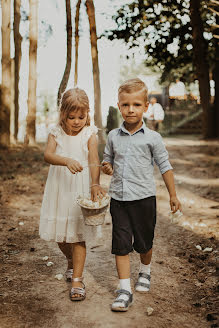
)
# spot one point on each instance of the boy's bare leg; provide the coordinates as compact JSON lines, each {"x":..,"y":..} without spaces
{"x":66,"y":249}
{"x":123,"y":266}
{"x":78,"y":256}
{"x":146,"y":257}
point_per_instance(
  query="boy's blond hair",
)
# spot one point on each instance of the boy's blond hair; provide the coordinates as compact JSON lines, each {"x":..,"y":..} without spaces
{"x":133,"y":85}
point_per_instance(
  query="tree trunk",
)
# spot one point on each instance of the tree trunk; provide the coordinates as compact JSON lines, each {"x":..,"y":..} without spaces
{"x":17,"y":45}
{"x":201,"y":64}
{"x":216,"y":81}
{"x":6,"y":75}
{"x":96,"y":77}
{"x":66,"y":74}
{"x":76,"y":40}
{"x":32,"y":83}
{"x":12,"y":111}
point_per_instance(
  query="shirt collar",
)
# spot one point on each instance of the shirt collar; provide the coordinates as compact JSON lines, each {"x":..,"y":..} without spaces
{"x":142,"y":128}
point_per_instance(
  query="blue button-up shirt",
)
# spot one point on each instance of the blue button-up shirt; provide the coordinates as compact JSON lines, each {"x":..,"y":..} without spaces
{"x":132,"y":157}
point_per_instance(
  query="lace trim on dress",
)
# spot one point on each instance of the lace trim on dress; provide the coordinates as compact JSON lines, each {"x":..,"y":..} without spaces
{"x":87,"y":133}
{"x":57,"y":132}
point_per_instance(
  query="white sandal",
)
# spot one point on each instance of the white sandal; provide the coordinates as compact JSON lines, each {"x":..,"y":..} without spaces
{"x":143,"y":285}
{"x":68,"y":275}
{"x":77,"y":291}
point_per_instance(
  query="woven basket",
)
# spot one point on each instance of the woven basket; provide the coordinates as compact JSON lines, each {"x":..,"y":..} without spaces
{"x":93,"y":216}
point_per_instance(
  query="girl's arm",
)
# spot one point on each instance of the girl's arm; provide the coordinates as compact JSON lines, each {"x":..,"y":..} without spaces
{"x":52,"y":158}
{"x":169,"y":182}
{"x":93,"y":159}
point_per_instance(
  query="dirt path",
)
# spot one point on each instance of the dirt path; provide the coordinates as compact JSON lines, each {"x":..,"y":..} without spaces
{"x":183,"y":292}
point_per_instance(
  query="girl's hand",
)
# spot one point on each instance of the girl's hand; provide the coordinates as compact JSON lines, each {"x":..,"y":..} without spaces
{"x":107,"y":168}
{"x":97,"y":192}
{"x":175,"y":204}
{"x":73,"y":166}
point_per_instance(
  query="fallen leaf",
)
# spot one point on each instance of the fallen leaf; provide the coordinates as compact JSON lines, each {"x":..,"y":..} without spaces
{"x":59,"y":276}
{"x":150,"y":310}
{"x":45,"y":258}
{"x":208,"y":249}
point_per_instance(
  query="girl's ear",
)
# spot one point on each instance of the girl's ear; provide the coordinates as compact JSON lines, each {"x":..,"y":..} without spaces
{"x":88,"y":119}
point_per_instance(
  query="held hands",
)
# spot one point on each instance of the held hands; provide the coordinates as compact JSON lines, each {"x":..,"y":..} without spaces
{"x":107,"y":168}
{"x":97,"y":192}
{"x":73,"y":166}
{"x":175,"y":204}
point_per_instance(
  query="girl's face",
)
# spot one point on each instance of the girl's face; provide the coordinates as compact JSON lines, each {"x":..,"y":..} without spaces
{"x":75,"y":121}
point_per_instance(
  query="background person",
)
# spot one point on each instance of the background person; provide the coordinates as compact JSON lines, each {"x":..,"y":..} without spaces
{"x":154,"y":115}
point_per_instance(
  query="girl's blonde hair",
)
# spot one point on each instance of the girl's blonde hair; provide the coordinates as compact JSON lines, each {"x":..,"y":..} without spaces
{"x":134,"y":85}
{"x":73,"y":100}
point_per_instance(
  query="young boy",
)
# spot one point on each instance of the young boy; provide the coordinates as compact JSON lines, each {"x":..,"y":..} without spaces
{"x":129,"y":156}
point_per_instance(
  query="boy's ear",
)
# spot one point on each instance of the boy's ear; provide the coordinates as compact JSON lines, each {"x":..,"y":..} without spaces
{"x":118,"y":106}
{"x":146,"y":107}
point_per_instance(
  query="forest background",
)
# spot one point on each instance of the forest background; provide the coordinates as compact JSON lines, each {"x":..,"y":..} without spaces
{"x":50,"y":49}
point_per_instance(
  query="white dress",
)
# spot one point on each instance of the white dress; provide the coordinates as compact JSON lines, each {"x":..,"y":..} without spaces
{"x":61,"y":217}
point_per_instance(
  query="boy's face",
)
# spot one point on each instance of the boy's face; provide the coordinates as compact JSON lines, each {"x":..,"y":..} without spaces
{"x":132,"y":106}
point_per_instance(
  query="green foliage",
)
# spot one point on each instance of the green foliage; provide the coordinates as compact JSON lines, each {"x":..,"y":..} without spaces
{"x":163,"y":29}
{"x":112,"y":119}
{"x":46,"y":106}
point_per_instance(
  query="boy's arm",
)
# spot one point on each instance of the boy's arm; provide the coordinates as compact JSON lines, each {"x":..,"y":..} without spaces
{"x":108,"y":156}
{"x":161,"y":158}
{"x":169,"y":182}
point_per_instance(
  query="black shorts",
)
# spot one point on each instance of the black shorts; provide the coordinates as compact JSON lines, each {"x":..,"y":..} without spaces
{"x":133,"y":225}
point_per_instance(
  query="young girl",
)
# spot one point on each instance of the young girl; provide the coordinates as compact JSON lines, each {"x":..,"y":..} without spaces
{"x":72,"y":151}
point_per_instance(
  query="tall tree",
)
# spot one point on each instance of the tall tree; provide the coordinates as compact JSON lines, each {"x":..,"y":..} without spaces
{"x":96,"y":75}
{"x":76,"y":40}
{"x":12,"y":107}
{"x":164,"y":31}
{"x":17,"y":61}
{"x":201,"y":64}
{"x":32,"y":82}
{"x":213,"y":6}
{"x":6,"y":75}
{"x":66,"y":74}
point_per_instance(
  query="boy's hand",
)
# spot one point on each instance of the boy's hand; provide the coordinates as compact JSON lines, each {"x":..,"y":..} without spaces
{"x":97,"y":192}
{"x":107,"y":168}
{"x":73,"y":166}
{"x":175,"y":204}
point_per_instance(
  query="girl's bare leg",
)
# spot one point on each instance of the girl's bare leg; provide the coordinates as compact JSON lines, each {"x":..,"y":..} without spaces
{"x":66,"y":249}
{"x":123,"y":266}
{"x":78,"y":256}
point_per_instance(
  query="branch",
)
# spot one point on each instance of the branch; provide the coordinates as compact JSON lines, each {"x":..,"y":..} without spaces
{"x":214,"y":26}
{"x":214,"y":3}
{"x":214,"y":11}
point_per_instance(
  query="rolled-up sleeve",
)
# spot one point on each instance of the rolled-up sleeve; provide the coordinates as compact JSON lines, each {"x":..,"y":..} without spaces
{"x":108,"y":155}
{"x":160,"y":154}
